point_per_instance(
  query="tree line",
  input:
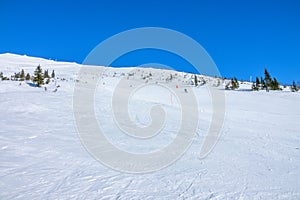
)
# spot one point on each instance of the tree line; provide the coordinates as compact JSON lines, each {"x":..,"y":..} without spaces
{"x":39,"y":77}
{"x":261,"y":83}
{"x":268,"y":83}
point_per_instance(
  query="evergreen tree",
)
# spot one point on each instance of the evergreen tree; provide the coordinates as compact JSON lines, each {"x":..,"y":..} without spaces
{"x":256,"y":85}
{"x":16,"y":76}
{"x":53,"y":74}
{"x":46,"y":74}
{"x":262,"y":83}
{"x":294,"y":87}
{"x":196,"y":80}
{"x":274,"y":84}
{"x":22,"y":75}
{"x":3,"y":78}
{"x":27,"y":78}
{"x":233,"y":84}
{"x":227,"y":87}
{"x":257,"y":81}
{"x":268,"y":80}
{"x":38,"y":76}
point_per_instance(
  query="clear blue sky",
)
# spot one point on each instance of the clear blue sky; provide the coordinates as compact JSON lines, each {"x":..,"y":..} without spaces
{"x":242,"y":37}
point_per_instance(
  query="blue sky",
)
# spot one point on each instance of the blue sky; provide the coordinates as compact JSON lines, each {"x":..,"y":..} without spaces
{"x":242,"y":37}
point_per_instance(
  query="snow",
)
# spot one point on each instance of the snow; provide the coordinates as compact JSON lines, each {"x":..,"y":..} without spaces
{"x":42,"y":157}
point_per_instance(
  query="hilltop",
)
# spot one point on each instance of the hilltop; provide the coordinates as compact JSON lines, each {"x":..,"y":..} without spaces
{"x":42,"y":156}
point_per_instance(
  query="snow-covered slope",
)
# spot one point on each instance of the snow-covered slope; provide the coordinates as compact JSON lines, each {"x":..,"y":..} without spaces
{"x":41,"y":156}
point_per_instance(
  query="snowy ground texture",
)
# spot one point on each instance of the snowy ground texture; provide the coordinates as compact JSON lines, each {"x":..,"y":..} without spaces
{"x":41,"y":156}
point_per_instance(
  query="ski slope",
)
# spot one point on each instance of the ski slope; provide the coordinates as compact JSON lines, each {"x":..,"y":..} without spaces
{"x":42,"y":157}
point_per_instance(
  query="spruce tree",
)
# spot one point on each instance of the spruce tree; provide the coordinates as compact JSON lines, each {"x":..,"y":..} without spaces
{"x":268,"y":80}
{"x":256,"y":85}
{"x":46,"y":74}
{"x":257,"y":81}
{"x":233,"y":84}
{"x":38,"y":76}
{"x":196,"y":80}
{"x":236,"y":84}
{"x":262,"y":83}
{"x":27,"y":78}
{"x":22,"y":75}
{"x":227,"y":87}
{"x":53,"y":74}
{"x":3,"y":78}
{"x":294,"y":87}
{"x":274,"y":84}
{"x":254,"y":88}
{"x":16,"y":76}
